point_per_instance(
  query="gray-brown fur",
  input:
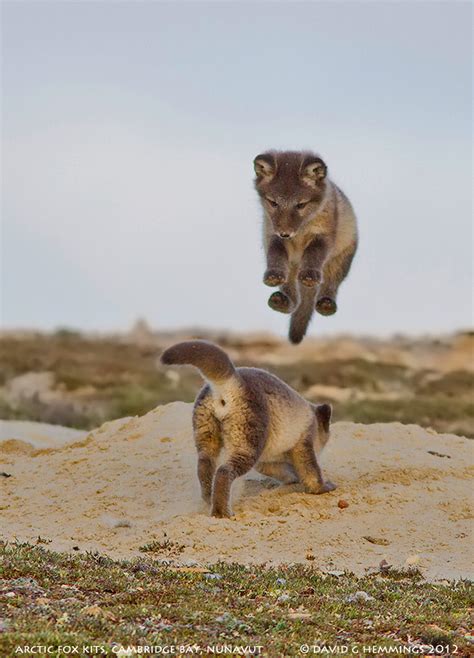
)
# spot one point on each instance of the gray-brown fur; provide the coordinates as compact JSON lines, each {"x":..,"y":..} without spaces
{"x":256,"y":420}
{"x":210,"y":359}
{"x":310,"y":235}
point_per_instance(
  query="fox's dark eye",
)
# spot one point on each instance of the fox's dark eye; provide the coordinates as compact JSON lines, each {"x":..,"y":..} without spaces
{"x":302,"y":204}
{"x":273,"y":203}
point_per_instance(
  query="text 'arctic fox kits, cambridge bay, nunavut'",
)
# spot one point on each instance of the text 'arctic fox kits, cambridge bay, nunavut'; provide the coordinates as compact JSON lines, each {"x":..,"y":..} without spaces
{"x":310,"y":235}
{"x":256,"y":420}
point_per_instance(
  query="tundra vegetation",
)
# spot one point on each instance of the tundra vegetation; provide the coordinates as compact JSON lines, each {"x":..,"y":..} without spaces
{"x":89,"y":599}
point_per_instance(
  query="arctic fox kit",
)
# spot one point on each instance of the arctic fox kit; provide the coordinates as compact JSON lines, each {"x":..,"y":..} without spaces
{"x":310,"y":235}
{"x":258,"y":421}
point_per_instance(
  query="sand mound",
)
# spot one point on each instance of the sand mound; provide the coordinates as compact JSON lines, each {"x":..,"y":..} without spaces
{"x":132,"y":481}
{"x":29,"y":437}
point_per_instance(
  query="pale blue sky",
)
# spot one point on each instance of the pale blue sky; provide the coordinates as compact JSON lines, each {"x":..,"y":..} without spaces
{"x":129,"y":131}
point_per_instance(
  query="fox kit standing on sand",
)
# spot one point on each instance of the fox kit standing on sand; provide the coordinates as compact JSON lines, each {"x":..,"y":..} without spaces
{"x":257,"y":419}
{"x":310,"y":235}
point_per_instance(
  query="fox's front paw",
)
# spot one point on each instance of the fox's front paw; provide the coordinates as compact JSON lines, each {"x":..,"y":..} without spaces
{"x":326,"y":487}
{"x":274,"y":277}
{"x":310,"y":278}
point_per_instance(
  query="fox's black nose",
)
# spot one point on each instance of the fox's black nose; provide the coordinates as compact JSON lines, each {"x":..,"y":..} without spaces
{"x":284,"y":235}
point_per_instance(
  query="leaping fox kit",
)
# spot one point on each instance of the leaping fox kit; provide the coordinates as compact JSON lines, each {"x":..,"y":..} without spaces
{"x":310,"y":235}
{"x":257,"y":419}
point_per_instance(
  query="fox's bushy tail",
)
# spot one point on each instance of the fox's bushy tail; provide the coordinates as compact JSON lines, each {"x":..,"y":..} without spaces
{"x":300,"y":318}
{"x":210,"y":359}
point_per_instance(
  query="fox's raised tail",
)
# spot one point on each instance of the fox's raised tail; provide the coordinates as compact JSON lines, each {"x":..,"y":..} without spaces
{"x":211,"y":360}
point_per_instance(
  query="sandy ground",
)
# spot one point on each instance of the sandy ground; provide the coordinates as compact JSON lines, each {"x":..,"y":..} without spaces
{"x":133,"y":481}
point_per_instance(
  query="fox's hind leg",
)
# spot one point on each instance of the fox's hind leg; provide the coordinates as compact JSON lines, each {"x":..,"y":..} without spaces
{"x":286,"y":299}
{"x":238,"y":464}
{"x":306,"y":464}
{"x":244,"y":435}
{"x":208,"y":440}
{"x":335,"y":271}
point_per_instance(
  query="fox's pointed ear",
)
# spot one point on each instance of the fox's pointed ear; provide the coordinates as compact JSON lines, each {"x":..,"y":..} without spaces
{"x":323,"y":414}
{"x":313,"y":170}
{"x":264,"y":165}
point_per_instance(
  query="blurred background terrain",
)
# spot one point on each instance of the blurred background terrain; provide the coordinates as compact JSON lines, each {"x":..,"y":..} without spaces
{"x":83,"y":379}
